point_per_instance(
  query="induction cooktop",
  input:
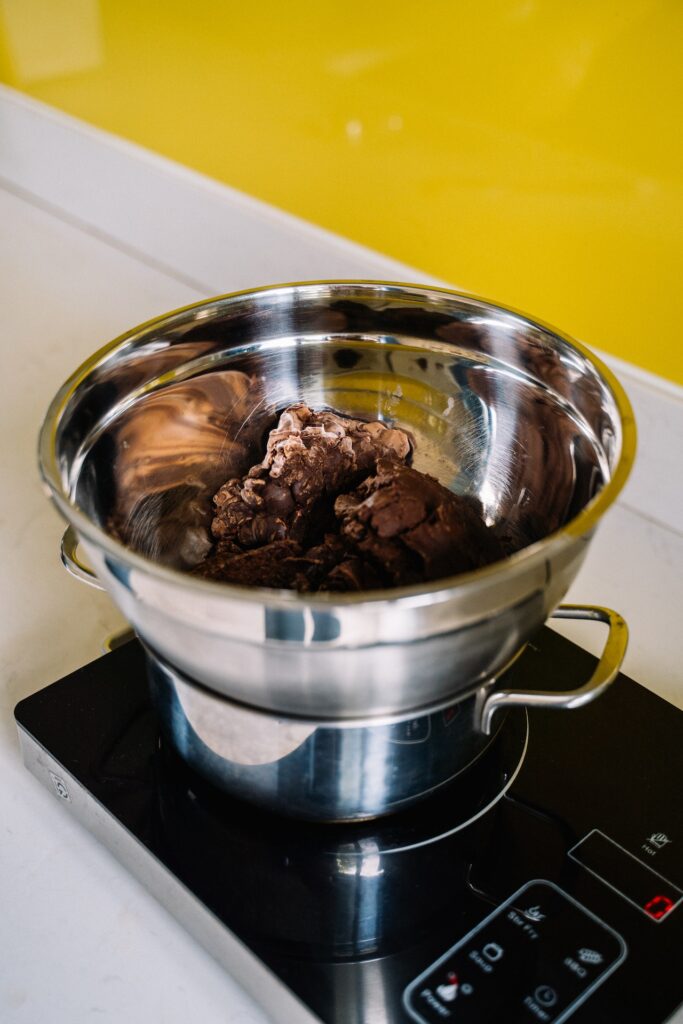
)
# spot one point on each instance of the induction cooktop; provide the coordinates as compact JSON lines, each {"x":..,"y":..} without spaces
{"x":546,"y":884}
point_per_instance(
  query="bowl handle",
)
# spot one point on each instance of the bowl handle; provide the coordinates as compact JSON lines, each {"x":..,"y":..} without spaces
{"x":73,"y":564}
{"x":605,"y":671}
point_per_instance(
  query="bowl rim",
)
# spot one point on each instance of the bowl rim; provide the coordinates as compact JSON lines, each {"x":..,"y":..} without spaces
{"x":581,"y":524}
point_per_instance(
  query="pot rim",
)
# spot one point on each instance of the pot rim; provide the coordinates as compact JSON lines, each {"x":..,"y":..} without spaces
{"x":583,"y":523}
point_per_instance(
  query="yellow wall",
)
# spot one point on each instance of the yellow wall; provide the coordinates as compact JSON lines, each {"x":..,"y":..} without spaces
{"x":527,"y":150}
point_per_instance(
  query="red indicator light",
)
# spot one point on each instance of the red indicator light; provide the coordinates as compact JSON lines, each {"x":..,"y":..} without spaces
{"x":658,"y":907}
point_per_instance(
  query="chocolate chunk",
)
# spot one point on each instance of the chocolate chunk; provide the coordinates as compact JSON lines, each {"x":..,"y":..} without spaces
{"x":414,"y":528}
{"x":334,"y":507}
{"x":310,"y":458}
{"x":267,"y":566}
{"x":353,"y":574}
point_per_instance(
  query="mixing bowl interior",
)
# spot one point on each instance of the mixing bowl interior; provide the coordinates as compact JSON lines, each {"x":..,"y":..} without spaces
{"x":498,"y":407}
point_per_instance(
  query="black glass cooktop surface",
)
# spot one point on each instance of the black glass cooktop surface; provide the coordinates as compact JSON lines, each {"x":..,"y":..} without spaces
{"x":543,"y":885}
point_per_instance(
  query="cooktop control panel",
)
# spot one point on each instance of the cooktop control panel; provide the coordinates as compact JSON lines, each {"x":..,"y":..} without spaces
{"x":543,"y":885}
{"x":537,"y":957}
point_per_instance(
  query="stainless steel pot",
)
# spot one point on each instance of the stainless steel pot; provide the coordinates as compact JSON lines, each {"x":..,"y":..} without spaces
{"x":348,"y":769}
{"x":500,"y":406}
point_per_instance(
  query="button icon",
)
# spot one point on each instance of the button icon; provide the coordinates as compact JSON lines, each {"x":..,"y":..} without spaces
{"x":658,"y":907}
{"x":534,"y":914}
{"x":60,"y":787}
{"x":492,"y":951}
{"x":659,"y":840}
{"x":449,"y":990}
{"x":590,"y":956}
{"x":545,"y":995}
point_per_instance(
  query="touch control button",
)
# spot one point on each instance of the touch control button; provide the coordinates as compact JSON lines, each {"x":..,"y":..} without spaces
{"x":540,"y":951}
{"x":492,"y":951}
{"x":545,"y":995}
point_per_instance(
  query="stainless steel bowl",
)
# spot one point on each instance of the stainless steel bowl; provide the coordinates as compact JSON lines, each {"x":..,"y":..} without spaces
{"x":500,"y":406}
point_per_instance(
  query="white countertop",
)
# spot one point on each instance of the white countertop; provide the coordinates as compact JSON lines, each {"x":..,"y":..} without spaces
{"x":96,"y":237}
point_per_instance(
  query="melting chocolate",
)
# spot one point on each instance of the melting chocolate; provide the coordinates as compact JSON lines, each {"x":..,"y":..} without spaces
{"x":334,"y":506}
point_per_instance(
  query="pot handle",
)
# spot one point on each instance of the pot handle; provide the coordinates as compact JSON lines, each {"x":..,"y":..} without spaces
{"x":73,"y":564}
{"x":605,"y":671}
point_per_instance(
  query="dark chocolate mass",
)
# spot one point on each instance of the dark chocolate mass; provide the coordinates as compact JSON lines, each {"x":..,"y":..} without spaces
{"x":335,"y":507}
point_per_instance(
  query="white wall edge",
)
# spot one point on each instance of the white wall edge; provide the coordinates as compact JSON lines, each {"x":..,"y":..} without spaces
{"x":624,"y":369}
{"x":12,"y":101}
